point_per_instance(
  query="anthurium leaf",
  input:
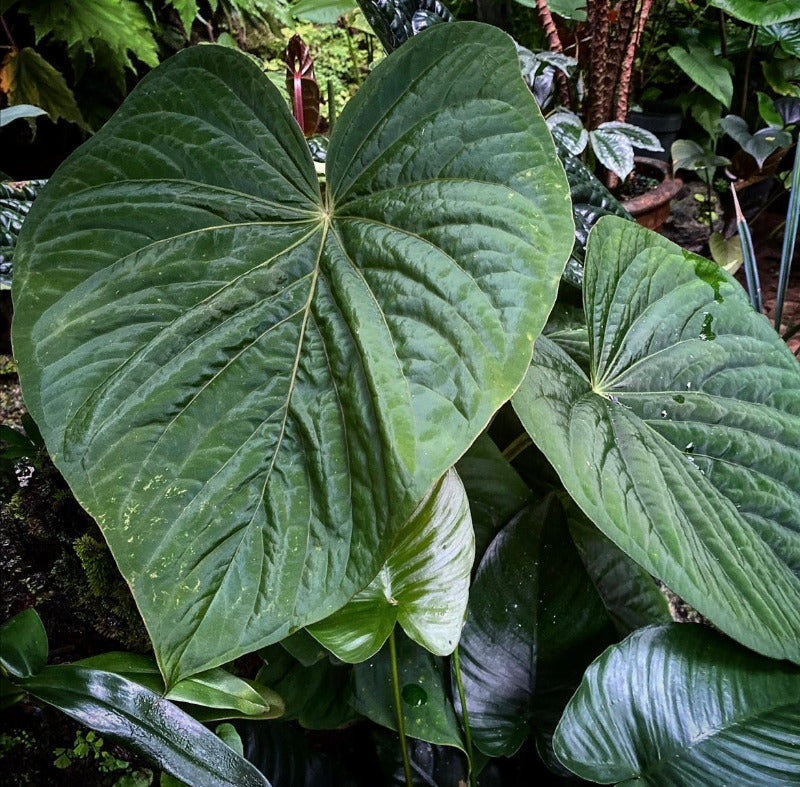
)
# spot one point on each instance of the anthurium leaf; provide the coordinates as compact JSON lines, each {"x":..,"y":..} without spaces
{"x":284,"y":755}
{"x":785,"y":34}
{"x":145,"y":722}
{"x":494,"y":489}
{"x":682,"y":704}
{"x":322,"y":11}
{"x":252,"y":389}
{"x":683,"y":446}
{"x":217,"y":693}
{"x":427,"y":710}
{"x":315,"y":695}
{"x":760,"y":12}
{"x":23,"y":644}
{"x":613,"y":150}
{"x":396,"y":21}
{"x":630,"y":595}
{"x":572,"y":625}
{"x":423,"y":586}
{"x":783,"y":76}
{"x":499,"y":642}
{"x":709,"y":71}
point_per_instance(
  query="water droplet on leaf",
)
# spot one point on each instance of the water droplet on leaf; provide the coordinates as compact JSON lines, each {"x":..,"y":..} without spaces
{"x":414,"y":695}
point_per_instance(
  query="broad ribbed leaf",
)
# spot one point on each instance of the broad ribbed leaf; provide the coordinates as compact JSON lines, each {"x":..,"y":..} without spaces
{"x":684,"y":445}
{"x":680,"y":705}
{"x":145,"y":722}
{"x":23,"y":644}
{"x":211,"y":695}
{"x":760,"y":12}
{"x":250,"y":388}
{"x":423,"y":586}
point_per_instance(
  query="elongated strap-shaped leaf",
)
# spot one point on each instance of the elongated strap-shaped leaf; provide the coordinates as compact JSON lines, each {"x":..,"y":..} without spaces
{"x":423,"y":586}
{"x":252,"y":388}
{"x":679,"y":705}
{"x":145,"y":722}
{"x":684,"y":445}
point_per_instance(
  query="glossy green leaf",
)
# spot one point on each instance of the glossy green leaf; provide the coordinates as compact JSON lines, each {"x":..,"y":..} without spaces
{"x":630,"y":595}
{"x":145,"y":722}
{"x":684,"y":444}
{"x":423,"y":586}
{"x":681,"y":704}
{"x":250,"y":388}
{"x":568,"y":130}
{"x":494,"y":489}
{"x":760,"y":12}
{"x":427,"y":709}
{"x":284,"y":755}
{"x":19,"y":112}
{"x":640,"y":137}
{"x":322,"y":11}
{"x":397,"y":21}
{"x":499,"y":642}
{"x":707,"y":70}
{"x":613,"y":150}
{"x":23,"y":644}
{"x":785,"y":34}
{"x":573,"y":626}
{"x":216,"y":692}
{"x":783,"y":76}
{"x":316,"y":695}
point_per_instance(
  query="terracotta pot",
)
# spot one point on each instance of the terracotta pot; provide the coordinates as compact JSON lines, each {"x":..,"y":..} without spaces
{"x":652,"y":208}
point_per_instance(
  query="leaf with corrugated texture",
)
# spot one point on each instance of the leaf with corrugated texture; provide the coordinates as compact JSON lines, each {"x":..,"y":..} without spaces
{"x":423,"y":586}
{"x":683,"y":444}
{"x":682,"y":704}
{"x":252,"y":388}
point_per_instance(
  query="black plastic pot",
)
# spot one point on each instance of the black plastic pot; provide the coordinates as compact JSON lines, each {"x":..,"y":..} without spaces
{"x":664,"y":123}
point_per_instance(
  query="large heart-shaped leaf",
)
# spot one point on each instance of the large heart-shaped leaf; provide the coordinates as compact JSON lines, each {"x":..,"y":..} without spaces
{"x":760,"y":12}
{"x":681,"y":704}
{"x":683,"y":445}
{"x":423,"y":586}
{"x":709,"y":71}
{"x":251,"y":388}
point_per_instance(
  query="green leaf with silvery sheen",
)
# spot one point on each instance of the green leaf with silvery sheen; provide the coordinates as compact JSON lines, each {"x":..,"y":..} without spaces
{"x":683,"y":443}
{"x":423,"y":586}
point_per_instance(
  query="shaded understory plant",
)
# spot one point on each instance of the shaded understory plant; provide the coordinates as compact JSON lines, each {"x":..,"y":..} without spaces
{"x":289,"y":415}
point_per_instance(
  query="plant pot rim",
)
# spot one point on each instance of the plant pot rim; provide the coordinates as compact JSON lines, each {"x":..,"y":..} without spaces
{"x":663,"y":193}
